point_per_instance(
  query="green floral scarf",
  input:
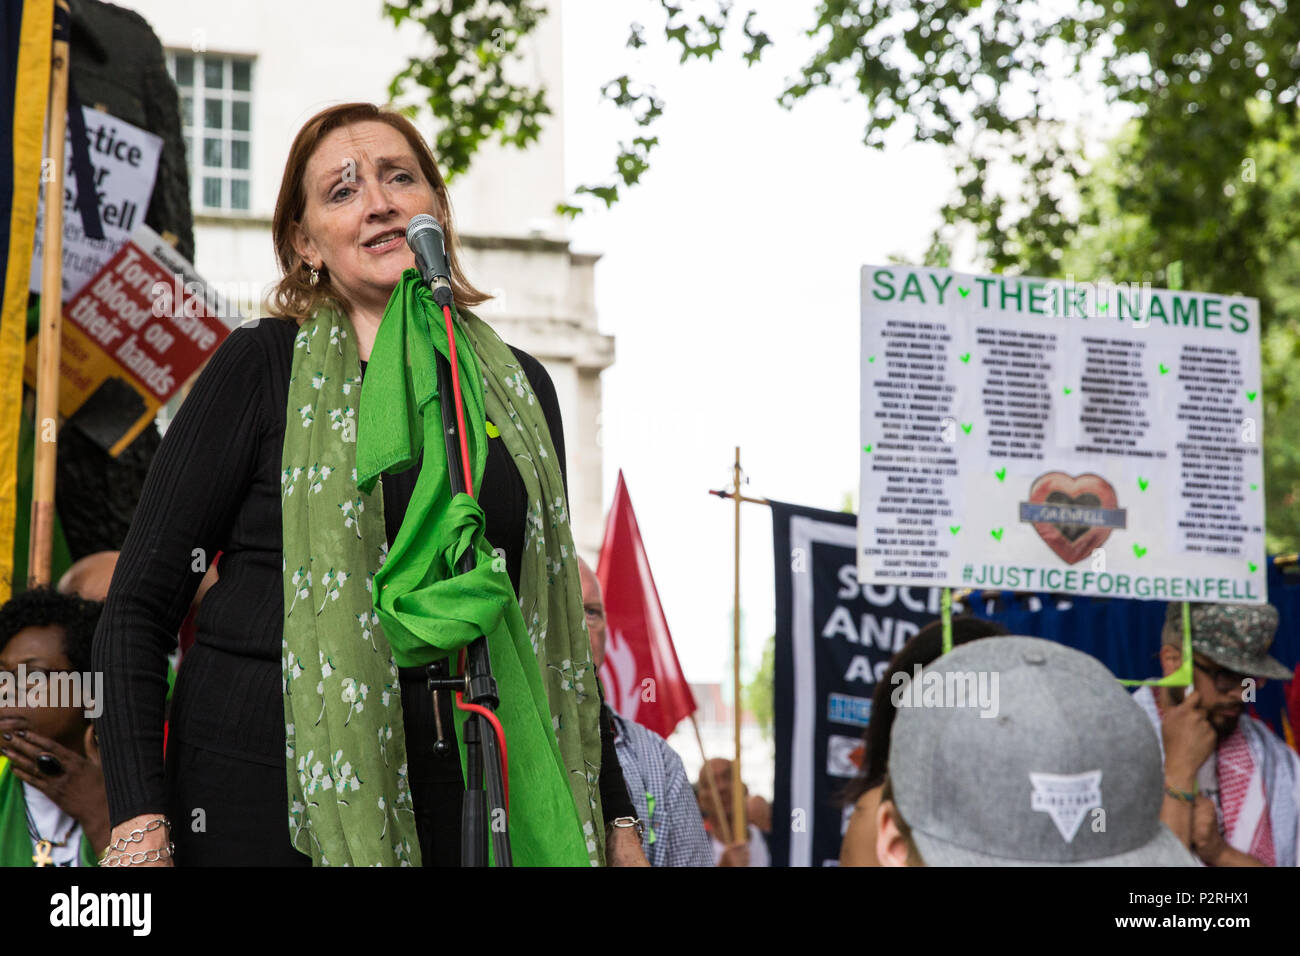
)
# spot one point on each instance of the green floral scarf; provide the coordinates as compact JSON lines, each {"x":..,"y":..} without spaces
{"x":355,"y":611}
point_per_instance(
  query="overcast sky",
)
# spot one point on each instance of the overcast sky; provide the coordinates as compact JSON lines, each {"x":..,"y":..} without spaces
{"x":729,"y":278}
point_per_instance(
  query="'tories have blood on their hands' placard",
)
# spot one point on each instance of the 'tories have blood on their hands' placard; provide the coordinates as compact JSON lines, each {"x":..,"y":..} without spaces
{"x":131,"y":338}
{"x":1051,"y":435}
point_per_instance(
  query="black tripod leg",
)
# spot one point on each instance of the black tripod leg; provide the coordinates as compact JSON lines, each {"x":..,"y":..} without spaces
{"x":473,"y":821}
{"x":497,"y":801}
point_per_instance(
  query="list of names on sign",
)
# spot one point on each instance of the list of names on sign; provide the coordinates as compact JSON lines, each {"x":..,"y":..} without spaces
{"x":1114,"y":393}
{"x":1018,"y":366}
{"x":1031,"y":434}
{"x":1214,"y":453}
{"x":913,"y":465}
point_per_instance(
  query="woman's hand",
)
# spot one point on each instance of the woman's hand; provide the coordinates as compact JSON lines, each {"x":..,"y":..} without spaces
{"x":156,"y":839}
{"x":78,"y":791}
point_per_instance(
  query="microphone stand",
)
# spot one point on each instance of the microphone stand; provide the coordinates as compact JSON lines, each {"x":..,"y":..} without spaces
{"x":483,"y":812}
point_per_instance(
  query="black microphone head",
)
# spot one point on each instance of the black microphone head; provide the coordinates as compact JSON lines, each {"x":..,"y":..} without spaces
{"x":423,"y":223}
{"x":425,"y":238}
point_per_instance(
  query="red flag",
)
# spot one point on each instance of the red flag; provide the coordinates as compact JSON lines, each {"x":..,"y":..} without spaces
{"x":642,"y":678}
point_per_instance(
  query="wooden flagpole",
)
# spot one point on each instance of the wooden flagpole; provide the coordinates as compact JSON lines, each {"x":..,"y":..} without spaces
{"x":713,"y":786}
{"x":738,"y":790}
{"x":50,"y":341}
{"x":741,"y":831}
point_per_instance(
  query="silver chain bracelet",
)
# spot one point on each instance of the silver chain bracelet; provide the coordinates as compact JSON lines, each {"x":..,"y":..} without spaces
{"x":156,"y":855}
{"x":121,"y":844}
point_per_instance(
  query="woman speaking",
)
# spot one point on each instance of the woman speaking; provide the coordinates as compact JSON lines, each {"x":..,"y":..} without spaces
{"x":301,"y":732}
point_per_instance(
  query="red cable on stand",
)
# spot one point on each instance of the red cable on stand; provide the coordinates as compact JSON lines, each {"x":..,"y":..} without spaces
{"x":460,"y":413}
{"x":469,"y":487}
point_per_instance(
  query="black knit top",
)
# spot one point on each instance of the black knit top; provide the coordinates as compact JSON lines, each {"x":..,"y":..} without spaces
{"x":215,"y":486}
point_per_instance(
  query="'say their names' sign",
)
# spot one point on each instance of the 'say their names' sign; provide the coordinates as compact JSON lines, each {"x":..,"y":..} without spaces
{"x":1047,"y":435}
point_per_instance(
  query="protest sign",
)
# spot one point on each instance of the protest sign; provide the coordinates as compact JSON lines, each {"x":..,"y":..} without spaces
{"x":1048,"y":435}
{"x":834,"y":641}
{"x":125,"y":163}
{"x":133,"y":335}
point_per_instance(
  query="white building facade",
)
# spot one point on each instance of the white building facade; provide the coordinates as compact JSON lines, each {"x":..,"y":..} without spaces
{"x":251,"y":72}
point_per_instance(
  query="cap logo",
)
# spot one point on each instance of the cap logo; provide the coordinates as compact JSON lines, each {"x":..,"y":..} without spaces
{"x":1066,"y":798}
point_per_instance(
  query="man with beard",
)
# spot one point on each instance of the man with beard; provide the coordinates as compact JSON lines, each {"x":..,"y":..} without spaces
{"x":1232,"y":786}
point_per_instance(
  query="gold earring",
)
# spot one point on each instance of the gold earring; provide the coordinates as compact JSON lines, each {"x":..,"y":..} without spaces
{"x":315,"y":276}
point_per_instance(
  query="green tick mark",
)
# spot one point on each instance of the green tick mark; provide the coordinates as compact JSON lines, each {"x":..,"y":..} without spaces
{"x":1253,"y":567}
{"x":1103,"y":307}
{"x":997,"y":534}
{"x":964,"y":291}
{"x":954,"y":528}
{"x":1254,"y":487}
{"x":871,"y":358}
{"x":1068,"y":391}
{"x":966,"y":428}
{"x":1001,"y":473}
{"x":965,"y":358}
{"x":1139,"y":550}
{"x":1251,"y":395}
{"x":1142,"y":483}
{"x":867,"y":449}
{"x":1164,"y":369}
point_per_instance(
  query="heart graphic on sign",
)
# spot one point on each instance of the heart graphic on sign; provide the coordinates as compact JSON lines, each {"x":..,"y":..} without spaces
{"x":1072,"y":542}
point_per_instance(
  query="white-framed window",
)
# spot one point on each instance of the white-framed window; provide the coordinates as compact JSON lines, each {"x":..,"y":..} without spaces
{"x":216,"y":93}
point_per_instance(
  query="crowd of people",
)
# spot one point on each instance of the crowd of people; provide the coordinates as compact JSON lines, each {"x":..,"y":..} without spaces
{"x":1071,"y":770}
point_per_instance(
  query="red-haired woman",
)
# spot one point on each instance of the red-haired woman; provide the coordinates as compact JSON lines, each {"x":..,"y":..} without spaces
{"x":300,"y":732}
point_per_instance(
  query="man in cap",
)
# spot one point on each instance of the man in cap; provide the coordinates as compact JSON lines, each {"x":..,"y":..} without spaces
{"x":1232,"y":786}
{"x":1059,"y":771}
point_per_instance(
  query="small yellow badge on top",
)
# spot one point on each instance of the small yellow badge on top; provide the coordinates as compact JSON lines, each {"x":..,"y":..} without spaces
{"x":492,"y":430}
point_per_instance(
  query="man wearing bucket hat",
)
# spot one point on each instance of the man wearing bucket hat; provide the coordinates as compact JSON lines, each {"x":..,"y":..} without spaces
{"x":1050,"y":764}
{"x":1232,"y":786}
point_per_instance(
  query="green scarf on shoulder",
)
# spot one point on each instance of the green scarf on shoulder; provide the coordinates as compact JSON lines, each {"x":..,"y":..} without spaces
{"x":355,"y":611}
{"x":15,"y":838}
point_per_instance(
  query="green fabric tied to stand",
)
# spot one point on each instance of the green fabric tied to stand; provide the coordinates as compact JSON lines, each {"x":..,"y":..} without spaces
{"x":15,"y":837}
{"x":350,"y":801}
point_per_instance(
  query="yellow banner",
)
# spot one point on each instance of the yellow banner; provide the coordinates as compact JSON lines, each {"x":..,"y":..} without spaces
{"x":31,"y":93}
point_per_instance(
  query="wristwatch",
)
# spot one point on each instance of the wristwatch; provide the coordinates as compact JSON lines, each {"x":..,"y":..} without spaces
{"x":624,"y":822}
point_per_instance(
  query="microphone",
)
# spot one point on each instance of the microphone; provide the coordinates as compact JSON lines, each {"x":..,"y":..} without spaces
{"x":425,"y":238}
